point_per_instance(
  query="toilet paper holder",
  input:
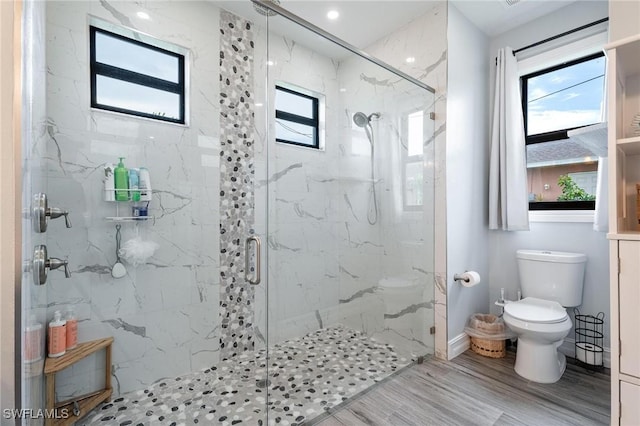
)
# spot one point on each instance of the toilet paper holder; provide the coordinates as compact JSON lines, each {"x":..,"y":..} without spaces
{"x":468,"y":278}
{"x":460,"y":277}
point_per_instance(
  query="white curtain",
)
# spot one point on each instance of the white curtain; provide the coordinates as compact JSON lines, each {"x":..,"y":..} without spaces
{"x":601,"y":215}
{"x":508,"y":197}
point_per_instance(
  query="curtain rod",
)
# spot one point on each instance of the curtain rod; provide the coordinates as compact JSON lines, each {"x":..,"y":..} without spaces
{"x":546,"y":40}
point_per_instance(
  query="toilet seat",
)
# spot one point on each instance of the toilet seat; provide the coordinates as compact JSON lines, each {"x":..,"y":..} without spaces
{"x":533,"y":310}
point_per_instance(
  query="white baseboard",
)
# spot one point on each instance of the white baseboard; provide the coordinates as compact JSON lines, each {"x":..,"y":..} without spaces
{"x":458,"y":345}
{"x":568,"y":348}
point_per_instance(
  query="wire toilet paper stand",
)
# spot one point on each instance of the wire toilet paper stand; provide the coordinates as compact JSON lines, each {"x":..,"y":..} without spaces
{"x":589,"y":340}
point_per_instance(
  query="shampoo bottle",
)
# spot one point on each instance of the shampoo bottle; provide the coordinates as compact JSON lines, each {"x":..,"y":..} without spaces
{"x":72,"y":329}
{"x":57,"y":336}
{"x":134,"y":184}
{"x":33,"y":340}
{"x":145,"y":185}
{"x":121,"y":180}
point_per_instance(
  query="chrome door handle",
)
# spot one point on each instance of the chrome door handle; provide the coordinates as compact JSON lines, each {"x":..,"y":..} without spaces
{"x":42,"y":212}
{"x":42,"y":263}
{"x":256,"y":279}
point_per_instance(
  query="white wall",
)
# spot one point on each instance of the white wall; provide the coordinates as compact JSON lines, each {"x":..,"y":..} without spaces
{"x":571,"y":237}
{"x":467,"y":168}
{"x":163,"y":315}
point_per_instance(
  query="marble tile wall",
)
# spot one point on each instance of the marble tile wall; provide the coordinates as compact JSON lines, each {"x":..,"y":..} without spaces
{"x":401,"y":247}
{"x":325,"y":258}
{"x":302,"y":206}
{"x":425,"y":39}
{"x":163,"y":314}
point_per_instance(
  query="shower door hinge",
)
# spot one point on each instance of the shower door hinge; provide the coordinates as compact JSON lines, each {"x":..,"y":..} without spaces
{"x":432,"y":330}
{"x":432,"y":115}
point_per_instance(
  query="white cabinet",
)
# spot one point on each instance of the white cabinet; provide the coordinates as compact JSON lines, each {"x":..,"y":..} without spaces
{"x":623,"y":83}
{"x":629,"y":306}
{"x":629,"y":404}
{"x":625,"y":330}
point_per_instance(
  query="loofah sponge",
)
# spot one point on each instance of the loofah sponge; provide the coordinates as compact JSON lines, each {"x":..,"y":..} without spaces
{"x":137,"y":252}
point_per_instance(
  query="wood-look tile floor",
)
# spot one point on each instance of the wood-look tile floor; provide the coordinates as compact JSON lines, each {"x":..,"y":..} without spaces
{"x":476,"y":390}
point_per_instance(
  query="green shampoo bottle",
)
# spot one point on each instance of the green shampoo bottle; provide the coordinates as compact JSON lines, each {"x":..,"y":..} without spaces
{"x":121,"y":177}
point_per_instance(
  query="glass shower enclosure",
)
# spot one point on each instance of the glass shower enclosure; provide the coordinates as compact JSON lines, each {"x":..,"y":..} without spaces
{"x":288,"y":277}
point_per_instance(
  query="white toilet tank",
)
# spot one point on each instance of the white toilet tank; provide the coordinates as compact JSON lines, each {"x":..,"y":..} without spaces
{"x":552,"y":275}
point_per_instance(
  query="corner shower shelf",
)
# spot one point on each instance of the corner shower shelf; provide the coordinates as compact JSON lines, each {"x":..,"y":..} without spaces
{"x":118,"y":203}
{"x":76,"y":407}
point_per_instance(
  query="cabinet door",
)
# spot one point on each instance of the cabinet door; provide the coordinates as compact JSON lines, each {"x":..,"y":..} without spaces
{"x":629,"y":281}
{"x":629,"y":404}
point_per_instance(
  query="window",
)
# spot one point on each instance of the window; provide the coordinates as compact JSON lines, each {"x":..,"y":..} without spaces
{"x":136,"y":78}
{"x":413,"y":129}
{"x":556,"y":100}
{"x":297,"y":119}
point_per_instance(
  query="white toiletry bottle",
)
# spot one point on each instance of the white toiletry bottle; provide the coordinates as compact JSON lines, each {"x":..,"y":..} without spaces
{"x":109,"y":183}
{"x":57,"y":336}
{"x":33,"y":340}
{"x":144,"y":184}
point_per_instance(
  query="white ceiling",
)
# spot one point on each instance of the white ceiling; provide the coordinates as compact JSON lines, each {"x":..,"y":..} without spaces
{"x":495,"y":17}
{"x":362,"y":22}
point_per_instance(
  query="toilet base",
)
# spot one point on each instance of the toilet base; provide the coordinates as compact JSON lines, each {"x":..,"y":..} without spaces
{"x":539,"y":362}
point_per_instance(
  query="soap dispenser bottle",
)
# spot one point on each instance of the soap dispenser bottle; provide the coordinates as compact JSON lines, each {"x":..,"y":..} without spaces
{"x":57,"y":336}
{"x":121,"y":180}
{"x":72,"y":328}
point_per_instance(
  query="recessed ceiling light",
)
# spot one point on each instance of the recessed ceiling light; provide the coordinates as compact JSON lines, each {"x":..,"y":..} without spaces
{"x":270,"y":63}
{"x":333,"y":14}
{"x":143,"y":15}
{"x":410,"y":60}
{"x":258,"y":104}
{"x":342,"y":89}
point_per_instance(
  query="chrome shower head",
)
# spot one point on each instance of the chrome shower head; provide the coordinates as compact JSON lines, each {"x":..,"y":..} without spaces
{"x":360,"y":119}
{"x":263,"y":10}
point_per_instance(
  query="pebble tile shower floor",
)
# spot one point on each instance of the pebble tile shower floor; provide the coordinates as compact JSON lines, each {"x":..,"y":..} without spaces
{"x":307,"y":377}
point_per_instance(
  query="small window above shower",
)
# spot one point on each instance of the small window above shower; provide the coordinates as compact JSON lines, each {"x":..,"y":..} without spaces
{"x":298,"y":113}
{"x":134,"y":74}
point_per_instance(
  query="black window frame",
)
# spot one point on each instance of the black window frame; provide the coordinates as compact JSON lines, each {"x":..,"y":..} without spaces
{"x":555,"y":135}
{"x":106,"y":70}
{"x":314,"y":122}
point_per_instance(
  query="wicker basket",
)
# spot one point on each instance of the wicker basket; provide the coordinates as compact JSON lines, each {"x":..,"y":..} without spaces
{"x":490,"y":348}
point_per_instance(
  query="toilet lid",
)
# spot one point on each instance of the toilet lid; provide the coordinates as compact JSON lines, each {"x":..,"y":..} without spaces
{"x":536,"y":310}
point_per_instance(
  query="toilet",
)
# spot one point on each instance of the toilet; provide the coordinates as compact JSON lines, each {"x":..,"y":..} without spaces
{"x":550,"y":282}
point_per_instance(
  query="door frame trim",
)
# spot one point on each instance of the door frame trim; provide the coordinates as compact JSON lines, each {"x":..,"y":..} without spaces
{"x":10,"y":201}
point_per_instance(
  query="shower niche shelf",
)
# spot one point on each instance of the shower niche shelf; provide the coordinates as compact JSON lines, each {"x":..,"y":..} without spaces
{"x":345,"y":179}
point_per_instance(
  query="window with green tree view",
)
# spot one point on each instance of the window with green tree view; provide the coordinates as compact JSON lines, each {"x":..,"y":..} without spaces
{"x":561,"y":173}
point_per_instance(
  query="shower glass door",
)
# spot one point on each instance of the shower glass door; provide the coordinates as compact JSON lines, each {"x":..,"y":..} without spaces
{"x":349,"y":204}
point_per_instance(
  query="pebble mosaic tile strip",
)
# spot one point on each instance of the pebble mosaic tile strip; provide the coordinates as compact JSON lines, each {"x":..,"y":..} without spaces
{"x":236,"y":183}
{"x":304,"y":378}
